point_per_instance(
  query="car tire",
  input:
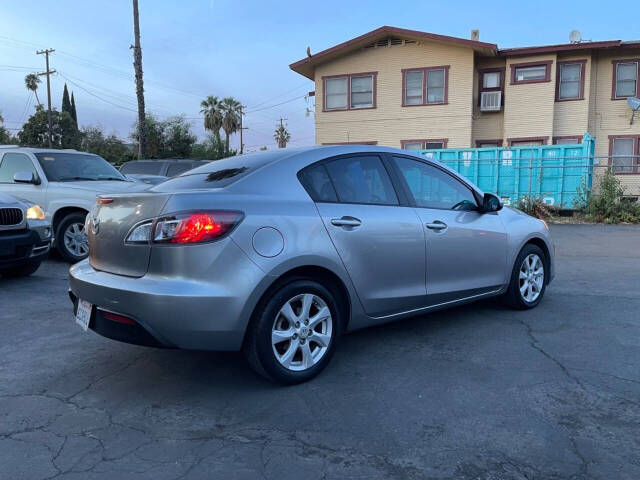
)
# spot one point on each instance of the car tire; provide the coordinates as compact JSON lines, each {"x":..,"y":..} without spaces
{"x":20,"y":271}
{"x":312,"y":344}
{"x":529,"y":278}
{"x":72,"y":225}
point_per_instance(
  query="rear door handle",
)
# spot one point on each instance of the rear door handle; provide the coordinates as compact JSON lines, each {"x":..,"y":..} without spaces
{"x":346,"y":222}
{"x":436,"y":225}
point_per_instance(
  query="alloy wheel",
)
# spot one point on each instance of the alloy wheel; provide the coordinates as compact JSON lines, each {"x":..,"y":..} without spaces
{"x":531,"y":277}
{"x":75,"y":240}
{"x":301,"y":332}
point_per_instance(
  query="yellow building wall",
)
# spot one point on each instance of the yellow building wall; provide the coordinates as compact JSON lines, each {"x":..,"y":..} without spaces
{"x":486,"y":125}
{"x":390,"y":122}
{"x":529,"y":108}
{"x":571,"y":117}
{"x":611,"y":117}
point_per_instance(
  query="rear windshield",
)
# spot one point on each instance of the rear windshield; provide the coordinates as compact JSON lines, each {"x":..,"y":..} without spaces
{"x":69,"y":167}
{"x":145,"y":168}
{"x":219,"y":173}
{"x":178,"y":168}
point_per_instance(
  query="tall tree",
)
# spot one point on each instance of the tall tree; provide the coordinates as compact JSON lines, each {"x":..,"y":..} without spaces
{"x":211,"y":109}
{"x":66,"y":103}
{"x":282,"y":136}
{"x":5,"y":137}
{"x":31,"y":81}
{"x":35,"y":132}
{"x":137,"y":66}
{"x":74,"y":114}
{"x":108,"y":147}
{"x":231,"y":110}
{"x":169,"y":138}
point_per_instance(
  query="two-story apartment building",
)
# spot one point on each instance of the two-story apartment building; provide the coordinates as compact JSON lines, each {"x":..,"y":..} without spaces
{"x":414,"y":90}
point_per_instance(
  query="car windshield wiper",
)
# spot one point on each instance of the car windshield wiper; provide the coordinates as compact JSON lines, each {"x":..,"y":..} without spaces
{"x":69,"y":179}
{"x":113,"y":178}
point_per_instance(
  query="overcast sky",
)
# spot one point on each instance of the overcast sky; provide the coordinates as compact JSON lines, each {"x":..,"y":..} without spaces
{"x":243,"y":49}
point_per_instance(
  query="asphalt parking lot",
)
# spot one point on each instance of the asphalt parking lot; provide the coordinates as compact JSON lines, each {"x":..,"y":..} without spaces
{"x":477,"y":392}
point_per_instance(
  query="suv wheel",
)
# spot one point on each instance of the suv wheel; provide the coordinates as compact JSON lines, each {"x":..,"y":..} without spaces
{"x":528,"y":278}
{"x":71,"y":239}
{"x":294,"y":332}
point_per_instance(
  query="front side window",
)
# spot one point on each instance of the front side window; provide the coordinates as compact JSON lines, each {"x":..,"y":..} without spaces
{"x":13,"y":163}
{"x":362,"y":92}
{"x":68,"y":167}
{"x":530,"y":72}
{"x":570,"y":81}
{"x":433,"y":188}
{"x":623,"y":159}
{"x":336,"y":93}
{"x":362,"y":179}
{"x":626,"y":75}
{"x":425,"y":86}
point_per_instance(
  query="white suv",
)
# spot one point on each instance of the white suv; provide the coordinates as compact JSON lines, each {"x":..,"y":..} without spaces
{"x":65,"y":183}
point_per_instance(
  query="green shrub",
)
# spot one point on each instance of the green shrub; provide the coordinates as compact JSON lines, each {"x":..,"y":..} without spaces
{"x":534,"y":205}
{"x":609,"y":206}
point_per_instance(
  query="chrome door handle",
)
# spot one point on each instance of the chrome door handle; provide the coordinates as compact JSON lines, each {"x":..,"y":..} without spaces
{"x":436,"y":225}
{"x":346,"y":222}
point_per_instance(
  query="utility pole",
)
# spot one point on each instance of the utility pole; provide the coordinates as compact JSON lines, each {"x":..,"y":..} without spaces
{"x":282,"y":143}
{"x":48,"y":74}
{"x":137,"y":66}
{"x":241,"y":129}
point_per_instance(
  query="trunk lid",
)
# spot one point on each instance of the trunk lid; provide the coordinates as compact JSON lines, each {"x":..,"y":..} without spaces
{"x":108,"y":226}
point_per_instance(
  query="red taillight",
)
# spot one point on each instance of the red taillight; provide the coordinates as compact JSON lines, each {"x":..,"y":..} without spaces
{"x":195,"y":227}
{"x":105,"y":201}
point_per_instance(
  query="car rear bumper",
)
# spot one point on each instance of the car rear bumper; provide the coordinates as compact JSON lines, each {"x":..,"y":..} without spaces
{"x":19,"y":247}
{"x":170,"y":311}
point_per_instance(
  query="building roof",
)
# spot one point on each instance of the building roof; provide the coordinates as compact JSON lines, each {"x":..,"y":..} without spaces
{"x":306,"y":66}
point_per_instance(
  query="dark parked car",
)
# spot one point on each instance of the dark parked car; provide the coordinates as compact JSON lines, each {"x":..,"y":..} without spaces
{"x":165,"y":167}
{"x":25,"y":236}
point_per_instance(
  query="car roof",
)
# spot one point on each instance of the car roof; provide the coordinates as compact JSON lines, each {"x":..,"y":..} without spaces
{"x":43,"y":150}
{"x":190,"y":160}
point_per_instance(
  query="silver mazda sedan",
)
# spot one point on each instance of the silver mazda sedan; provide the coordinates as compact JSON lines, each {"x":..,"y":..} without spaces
{"x":278,"y":253}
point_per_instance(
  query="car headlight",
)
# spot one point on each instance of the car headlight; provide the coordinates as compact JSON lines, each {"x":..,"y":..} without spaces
{"x":35,"y":213}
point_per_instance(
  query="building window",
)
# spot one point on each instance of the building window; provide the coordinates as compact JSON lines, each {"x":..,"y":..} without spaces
{"x":488,"y":143}
{"x":350,"y":92}
{"x":527,"y":141}
{"x":567,"y":140}
{"x":625,"y":78}
{"x":625,"y":153}
{"x":490,"y":80}
{"x":428,"y":144}
{"x":425,"y":86}
{"x":570,"y":80}
{"x":530,"y":72}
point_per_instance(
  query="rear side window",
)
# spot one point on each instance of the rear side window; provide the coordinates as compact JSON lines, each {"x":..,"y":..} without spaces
{"x":178,"y":168}
{"x":362,"y":179}
{"x":143,"y":168}
{"x":13,"y":163}
{"x":316,"y":182}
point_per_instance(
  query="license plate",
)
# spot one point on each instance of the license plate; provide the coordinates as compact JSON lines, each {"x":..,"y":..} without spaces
{"x":83,"y":315}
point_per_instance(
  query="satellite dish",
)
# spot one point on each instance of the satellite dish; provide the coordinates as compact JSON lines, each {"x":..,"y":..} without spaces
{"x":575,"y":36}
{"x":634,"y":103}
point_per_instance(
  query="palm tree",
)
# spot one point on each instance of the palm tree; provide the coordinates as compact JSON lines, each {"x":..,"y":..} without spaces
{"x":210,"y":108}
{"x":31,"y":81}
{"x":231,"y":111}
{"x":282,"y":136}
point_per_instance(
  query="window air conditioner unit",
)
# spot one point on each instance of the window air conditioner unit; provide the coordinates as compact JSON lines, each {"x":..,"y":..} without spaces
{"x":491,"y":101}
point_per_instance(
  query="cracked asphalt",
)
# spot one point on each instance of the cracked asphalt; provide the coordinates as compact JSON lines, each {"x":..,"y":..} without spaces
{"x":477,"y":392}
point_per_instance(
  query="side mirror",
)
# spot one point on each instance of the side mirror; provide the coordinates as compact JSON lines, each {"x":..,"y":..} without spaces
{"x":26,"y":177}
{"x":491,"y":203}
